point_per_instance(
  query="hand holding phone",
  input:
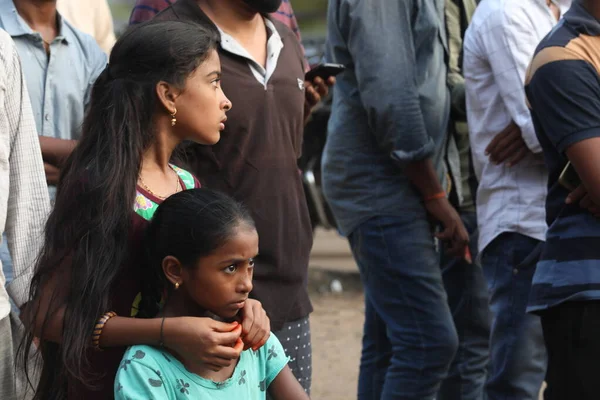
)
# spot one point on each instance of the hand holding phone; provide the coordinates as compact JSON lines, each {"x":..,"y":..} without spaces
{"x":324,"y":71}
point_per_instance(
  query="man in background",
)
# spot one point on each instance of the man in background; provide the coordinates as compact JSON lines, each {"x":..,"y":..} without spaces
{"x":464,"y":282}
{"x":498,"y":47}
{"x":385,"y":177}
{"x":60,"y":64}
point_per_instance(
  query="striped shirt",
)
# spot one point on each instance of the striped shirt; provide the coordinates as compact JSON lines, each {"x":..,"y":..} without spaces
{"x":24,"y":203}
{"x":563,"y":91}
{"x":145,"y":10}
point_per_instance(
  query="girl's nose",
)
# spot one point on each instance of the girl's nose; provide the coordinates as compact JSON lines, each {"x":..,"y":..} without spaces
{"x":227,"y":104}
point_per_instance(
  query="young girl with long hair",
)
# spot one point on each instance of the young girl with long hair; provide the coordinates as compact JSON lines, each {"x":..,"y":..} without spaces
{"x":201,"y":247}
{"x":160,"y":88}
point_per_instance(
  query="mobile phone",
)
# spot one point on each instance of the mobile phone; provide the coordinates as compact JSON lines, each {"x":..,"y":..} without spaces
{"x":324,"y":71}
{"x":569,"y":178}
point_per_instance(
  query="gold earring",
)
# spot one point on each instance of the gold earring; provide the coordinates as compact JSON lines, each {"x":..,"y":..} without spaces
{"x":173,"y":119}
{"x":176,"y":285}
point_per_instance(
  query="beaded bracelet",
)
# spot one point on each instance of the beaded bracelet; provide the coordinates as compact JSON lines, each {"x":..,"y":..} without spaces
{"x":99,"y":326}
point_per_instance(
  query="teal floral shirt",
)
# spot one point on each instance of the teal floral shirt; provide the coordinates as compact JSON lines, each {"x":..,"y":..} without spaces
{"x":152,"y":373}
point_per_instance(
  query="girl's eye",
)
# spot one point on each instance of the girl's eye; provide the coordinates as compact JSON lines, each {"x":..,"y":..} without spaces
{"x":251,"y":262}
{"x":216,"y":82}
{"x":231,"y":269}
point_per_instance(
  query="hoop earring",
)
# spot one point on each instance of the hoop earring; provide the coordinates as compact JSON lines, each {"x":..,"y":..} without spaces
{"x":176,"y":285}
{"x":173,"y":119}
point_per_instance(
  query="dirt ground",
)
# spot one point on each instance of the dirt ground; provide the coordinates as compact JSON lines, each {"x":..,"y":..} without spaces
{"x":336,"y":328}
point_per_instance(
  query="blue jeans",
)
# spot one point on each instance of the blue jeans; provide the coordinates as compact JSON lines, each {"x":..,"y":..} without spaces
{"x":518,"y":355}
{"x":7,"y":268}
{"x":409,"y":338}
{"x":468,"y":301}
{"x":6,"y":260}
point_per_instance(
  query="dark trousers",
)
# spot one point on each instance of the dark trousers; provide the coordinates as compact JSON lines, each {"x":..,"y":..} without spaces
{"x":572,"y":336}
{"x":468,"y":300}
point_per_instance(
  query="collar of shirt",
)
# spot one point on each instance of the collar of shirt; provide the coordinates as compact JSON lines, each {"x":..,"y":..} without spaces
{"x":274,"y":47}
{"x":16,"y":26}
{"x":582,"y":20}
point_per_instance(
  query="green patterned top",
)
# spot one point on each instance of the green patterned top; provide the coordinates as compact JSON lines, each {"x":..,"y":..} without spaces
{"x":152,"y":373}
{"x":146,"y":208}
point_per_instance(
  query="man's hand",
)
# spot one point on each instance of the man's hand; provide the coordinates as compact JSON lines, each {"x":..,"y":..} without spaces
{"x":454,"y":233}
{"x":315,"y":91}
{"x":585,"y":200}
{"x":52,"y":173}
{"x":508,"y":145}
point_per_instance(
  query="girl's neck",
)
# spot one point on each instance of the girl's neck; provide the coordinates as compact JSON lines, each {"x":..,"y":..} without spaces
{"x":156,"y":175}
{"x":158,"y":155}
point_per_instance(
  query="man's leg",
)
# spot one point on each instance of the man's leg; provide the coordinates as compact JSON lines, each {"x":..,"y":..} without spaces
{"x":402,"y":279}
{"x":468,"y":301}
{"x":8,"y":390}
{"x":295,"y":338}
{"x":572,"y":336}
{"x":518,"y":355}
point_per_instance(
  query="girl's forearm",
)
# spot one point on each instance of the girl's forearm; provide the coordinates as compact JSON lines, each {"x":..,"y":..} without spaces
{"x":123,"y":331}
{"x":118,"y":331}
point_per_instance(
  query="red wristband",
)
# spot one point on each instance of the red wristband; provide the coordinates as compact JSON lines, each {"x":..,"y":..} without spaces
{"x":437,"y":196}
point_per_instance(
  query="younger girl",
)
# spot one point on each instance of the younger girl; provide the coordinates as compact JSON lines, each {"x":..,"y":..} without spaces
{"x":162,"y":87}
{"x":201,"y":247}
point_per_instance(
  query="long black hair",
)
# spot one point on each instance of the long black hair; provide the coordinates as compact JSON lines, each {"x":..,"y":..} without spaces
{"x":188,"y":225}
{"x":88,"y":229}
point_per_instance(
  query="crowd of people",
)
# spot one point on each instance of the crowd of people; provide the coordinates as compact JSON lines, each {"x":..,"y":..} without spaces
{"x":156,"y":236}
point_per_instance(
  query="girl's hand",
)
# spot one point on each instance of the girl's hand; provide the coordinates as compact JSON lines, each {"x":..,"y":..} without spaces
{"x":204,"y":341}
{"x":256,"y":326}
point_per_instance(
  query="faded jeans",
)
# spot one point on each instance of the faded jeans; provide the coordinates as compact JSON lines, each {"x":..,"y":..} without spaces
{"x":409,"y":339}
{"x":518,"y":355}
{"x":468,"y":300}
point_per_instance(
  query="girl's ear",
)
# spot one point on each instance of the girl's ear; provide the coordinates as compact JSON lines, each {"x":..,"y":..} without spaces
{"x":173,"y":270}
{"x":167,"y":94}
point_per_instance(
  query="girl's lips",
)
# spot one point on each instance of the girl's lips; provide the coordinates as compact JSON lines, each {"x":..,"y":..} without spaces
{"x":239,"y":304}
{"x":221,"y":126}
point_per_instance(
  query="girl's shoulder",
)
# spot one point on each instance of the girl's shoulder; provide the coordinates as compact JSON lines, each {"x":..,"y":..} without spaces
{"x":145,"y":370}
{"x":144,"y":355}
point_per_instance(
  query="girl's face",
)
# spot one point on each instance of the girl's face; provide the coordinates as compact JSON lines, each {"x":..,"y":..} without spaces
{"x":221,"y":282}
{"x":202,"y":105}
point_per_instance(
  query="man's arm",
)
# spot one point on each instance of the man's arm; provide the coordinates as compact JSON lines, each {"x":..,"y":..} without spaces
{"x":28,"y":203}
{"x":105,"y":31}
{"x":510,"y":43}
{"x":565,"y":98}
{"x":55,"y":151}
{"x":380,"y":39}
